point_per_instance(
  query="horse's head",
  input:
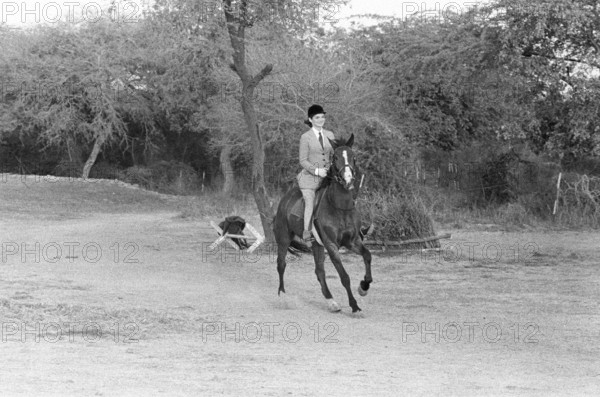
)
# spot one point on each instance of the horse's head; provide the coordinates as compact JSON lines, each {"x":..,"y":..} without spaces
{"x":343,"y":163}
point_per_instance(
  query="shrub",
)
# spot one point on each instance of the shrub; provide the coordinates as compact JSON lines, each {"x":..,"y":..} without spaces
{"x":170,"y":177}
{"x":105,"y":170}
{"x":71,"y":169}
{"x":579,"y":200}
{"x":396,"y":217}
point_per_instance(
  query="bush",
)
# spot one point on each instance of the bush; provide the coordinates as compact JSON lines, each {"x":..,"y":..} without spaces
{"x":139,"y":175}
{"x":579,"y":200}
{"x":396,"y":218}
{"x":170,"y":177}
{"x":71,"y":169}
{"x":105,"y":170}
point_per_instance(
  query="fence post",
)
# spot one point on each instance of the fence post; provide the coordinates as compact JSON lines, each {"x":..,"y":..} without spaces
{"x":557,"y":193}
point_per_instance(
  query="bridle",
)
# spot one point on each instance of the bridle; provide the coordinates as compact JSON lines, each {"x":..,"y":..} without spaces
{"x":338,"y":174}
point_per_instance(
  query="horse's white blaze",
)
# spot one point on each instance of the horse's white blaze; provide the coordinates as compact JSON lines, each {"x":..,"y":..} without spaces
{"x":347,"y":171}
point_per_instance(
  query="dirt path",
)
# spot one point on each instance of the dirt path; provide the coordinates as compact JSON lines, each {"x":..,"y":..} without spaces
{"x":190,"y":323}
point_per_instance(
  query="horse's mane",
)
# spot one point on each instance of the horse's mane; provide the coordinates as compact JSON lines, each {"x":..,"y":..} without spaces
{"x":337,"y":143}
{"x":329,"y":177}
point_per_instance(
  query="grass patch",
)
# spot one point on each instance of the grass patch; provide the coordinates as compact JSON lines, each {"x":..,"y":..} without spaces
{"x":67,"y":198}
{"x":57,"y":198}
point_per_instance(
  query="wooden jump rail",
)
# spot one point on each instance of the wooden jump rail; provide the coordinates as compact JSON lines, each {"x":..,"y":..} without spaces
{"x":226,"y":237}
{"x":406,"y":242}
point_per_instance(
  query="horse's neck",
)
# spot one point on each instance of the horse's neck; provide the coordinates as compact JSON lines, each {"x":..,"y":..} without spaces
{"x":339,"y":197}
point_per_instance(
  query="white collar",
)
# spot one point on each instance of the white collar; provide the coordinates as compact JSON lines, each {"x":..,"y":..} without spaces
{"x":316,"y":132}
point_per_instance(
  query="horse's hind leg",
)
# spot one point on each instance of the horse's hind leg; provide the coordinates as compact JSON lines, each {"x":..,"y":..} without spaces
{"x":360,"y":249}
{"x":319,"y":255}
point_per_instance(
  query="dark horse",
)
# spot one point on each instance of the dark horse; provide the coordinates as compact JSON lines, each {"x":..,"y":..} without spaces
{"x":336,"y":220}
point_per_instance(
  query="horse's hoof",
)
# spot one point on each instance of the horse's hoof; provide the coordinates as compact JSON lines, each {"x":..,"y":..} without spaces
{"x":364,"y":285}
{"x":362,"y":292}
{"x":356,"y":309}
{"x":333,"y":306}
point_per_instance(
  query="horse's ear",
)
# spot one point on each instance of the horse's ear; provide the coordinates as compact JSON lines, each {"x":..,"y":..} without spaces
{"x":350,"y":140}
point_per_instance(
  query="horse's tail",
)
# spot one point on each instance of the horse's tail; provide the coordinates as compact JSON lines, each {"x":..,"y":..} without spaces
{"x":296,"y":248}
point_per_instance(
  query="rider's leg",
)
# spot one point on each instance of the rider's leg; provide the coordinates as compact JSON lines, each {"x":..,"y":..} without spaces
{"x":309,"y":200}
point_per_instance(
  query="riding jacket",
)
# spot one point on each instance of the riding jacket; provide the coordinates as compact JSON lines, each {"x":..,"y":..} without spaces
{"x":313,"y":156}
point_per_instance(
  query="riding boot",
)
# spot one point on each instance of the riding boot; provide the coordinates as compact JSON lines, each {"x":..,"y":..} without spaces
{"x":307,"y":236}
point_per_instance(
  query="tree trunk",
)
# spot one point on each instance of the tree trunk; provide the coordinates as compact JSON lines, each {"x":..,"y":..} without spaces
{"x":92,"y":158}
{"x":236,"y":25}
{"x":258,"y":167}
{"x":227,"y":169}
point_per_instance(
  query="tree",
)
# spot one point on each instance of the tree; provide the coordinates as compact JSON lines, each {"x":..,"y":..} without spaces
{"x":236,"y":28}
{"x":239,"y":16}
{"x":63,"y":92}
{"x":140,"y":89}
{"x":556,"y":47}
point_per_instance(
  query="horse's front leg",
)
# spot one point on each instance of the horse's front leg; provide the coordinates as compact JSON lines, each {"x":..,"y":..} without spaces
{"x":359,"y":248}
{"x":281,"y":253}
{"x":319,"y":255}
{"x":345,"y":279}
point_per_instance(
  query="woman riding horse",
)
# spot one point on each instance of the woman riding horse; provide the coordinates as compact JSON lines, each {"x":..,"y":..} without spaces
{"x":337,"y":221}
{"x":315,"y":153}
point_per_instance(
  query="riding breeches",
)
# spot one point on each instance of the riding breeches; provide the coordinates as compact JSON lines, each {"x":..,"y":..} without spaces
{"x":309,"y":201}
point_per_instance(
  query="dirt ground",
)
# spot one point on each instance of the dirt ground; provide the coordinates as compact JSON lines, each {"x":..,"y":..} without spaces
{"x":107,"y":290}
